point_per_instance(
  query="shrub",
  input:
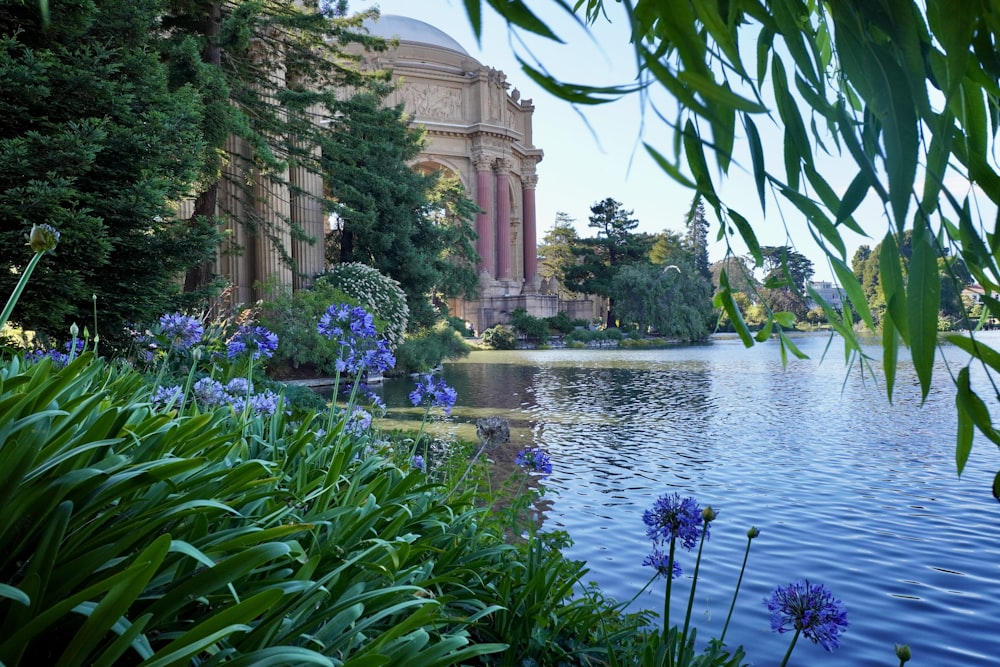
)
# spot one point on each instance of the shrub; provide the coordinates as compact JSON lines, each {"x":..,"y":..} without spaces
{"x":533,"y":328}
{"x":426,"y":349}
{"x":378,"y":294}
{"x":560,"y":322}
{"x":459,"y":325}
{"x":499,"y":338}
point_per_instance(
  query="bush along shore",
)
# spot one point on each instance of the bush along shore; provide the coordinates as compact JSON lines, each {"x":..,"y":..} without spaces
{"x":174,"y":507}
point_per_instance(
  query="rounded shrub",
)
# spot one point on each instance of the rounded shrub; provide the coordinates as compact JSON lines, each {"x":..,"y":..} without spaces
{"x":499,"y":338}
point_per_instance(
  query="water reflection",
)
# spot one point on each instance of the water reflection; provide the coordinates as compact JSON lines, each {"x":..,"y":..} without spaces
{"x":846,"y":488}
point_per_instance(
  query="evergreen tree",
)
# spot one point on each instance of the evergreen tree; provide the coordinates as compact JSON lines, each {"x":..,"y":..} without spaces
{"x":95,"y":142}
{"x":409,"y":224}
{"x":696,"y":237}
{"x":601,"y":256}
{"x":555,"y":254}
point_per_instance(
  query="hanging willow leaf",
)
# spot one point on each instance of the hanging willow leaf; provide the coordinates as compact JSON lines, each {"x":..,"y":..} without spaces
{"x":891,"y":278}
{"x":757,"y":158}
{"x":923,"y":296}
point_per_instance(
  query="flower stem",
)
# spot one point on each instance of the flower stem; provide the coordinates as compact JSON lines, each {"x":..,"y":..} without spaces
{"x":666,"y":601}
{"x":746,"y":554}
{"x":694,"y":583}
{"x":16,"y":294}
{"x":788,"y":653}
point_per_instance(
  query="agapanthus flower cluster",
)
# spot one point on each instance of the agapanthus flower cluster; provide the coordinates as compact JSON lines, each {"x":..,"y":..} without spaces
{"x":418,"y":462}
{"x":183,"y":331}
{"x":534,"y":458}
{"x":810,"y":608}
{"x":358,"y":422}
{"x":168,"y":396}
{"x":660,"y":561}
{"x":238,"y":393}
{"x":58,"y":358}
{"x":434,"y":392}
{"x":674,"y":518}
{"x":43,"y":238}
{"x":362,"y":350}
{"x":256,"y":340}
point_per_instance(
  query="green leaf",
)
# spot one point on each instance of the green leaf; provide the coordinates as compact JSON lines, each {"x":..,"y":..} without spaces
{"x":891,"y":278}
{"x":15,"y":594}
{"x":757,"y":158}
{"x":474,"y":9}
{"x":672,"y":170}
{"x":853,"y":196}
{"x":923,"y":299}
{"x":977,"y":349}
{"x":890,"y":355}
{"x":694,"y":150}
{"x":996,"y":486}
{"x":573,"y":92}
{"x":964,"y":404}
{"x":785,"y":319}
{"x":765,"y":331}
{"x":747,"y":234}
{"x":724,"y":299}
{"x":855,"y":294}
{"x":517,"y":13}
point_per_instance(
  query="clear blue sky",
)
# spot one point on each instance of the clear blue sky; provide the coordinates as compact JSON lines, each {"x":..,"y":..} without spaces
{"x":596,"y":152}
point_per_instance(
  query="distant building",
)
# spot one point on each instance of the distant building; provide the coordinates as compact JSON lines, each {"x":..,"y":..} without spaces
{"x":833,"y":294}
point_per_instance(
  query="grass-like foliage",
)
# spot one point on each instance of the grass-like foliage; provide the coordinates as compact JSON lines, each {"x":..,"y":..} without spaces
{"x":144,"y":524}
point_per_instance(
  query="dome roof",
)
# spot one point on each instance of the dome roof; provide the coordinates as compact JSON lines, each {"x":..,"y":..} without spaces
{"x":405,"y":29}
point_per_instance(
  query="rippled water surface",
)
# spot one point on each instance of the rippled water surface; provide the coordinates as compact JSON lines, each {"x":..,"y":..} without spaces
{"x":846,"y":489}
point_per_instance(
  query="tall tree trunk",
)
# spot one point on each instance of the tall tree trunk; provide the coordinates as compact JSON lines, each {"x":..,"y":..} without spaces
{"x":206,"y":203}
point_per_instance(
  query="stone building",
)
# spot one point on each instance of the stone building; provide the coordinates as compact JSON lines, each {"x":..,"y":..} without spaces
{"x":477,"y":128}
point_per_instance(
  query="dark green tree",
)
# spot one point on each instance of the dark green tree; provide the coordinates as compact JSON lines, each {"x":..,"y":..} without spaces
{"x":601,"y":256}
{"x":786,"y":272}
{"x":555,"y":254}
{"x":696,"y":237}
{"x":674,"y":301}
{"x":411,"y":225}
{"x":95,"y":142}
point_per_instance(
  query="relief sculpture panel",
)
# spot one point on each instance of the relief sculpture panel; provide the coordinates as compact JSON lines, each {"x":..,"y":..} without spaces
{"x":426,"y":101}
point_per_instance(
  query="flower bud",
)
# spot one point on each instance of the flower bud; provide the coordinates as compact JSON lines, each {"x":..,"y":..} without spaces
{"x":708,"y":514}
{"x":74,"y":330}
{"x":903,"y":653}
{"x":753,"y":532}
{"x":43,"y":237}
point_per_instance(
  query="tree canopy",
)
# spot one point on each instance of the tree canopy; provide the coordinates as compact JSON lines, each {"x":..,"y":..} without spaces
{"x":907,"y":91}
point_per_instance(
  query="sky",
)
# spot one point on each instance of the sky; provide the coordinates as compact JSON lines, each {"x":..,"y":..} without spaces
{"x":595,"y":152}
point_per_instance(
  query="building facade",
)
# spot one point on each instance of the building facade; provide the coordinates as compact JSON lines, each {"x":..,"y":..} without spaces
{"x":477,"y":128}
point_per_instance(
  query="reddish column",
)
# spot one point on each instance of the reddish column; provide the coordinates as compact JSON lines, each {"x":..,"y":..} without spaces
{"x":503,"y":220}
{"x":484,"y":220}
{"x":529,"y":235}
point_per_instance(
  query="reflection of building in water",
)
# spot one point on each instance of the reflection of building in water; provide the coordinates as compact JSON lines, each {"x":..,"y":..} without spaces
{"x":480,"y":131}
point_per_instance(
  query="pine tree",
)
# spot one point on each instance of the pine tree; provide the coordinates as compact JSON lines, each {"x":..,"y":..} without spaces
{"x":95,"y":142}
{"x":696,"y":237}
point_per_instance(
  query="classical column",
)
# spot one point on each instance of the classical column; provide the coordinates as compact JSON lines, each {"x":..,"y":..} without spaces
{"x":529,"y":235}
{"x":484,"y":220}
{"x":307,"y":215}
{"x":503,"y":219}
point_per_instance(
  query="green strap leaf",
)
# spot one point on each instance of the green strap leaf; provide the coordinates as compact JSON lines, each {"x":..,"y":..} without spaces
{"x":757,"y":158}
{"x":891,"y":277}
{"x":923,"y":300}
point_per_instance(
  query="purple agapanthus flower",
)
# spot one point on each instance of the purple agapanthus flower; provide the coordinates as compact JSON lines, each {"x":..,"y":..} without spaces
{"x":256,"y":340}
{"x":358,"y":422}
{"x":673,"y":518}
{"x":210,"y":393}
{"x":59,"y":359}
{"x":239,"y":387}
{"x":77,"y":343}
{"x":418,"y":462}
{"x":168,"y":396}
{"x":361,"y":350}
{"x":183,"y":331}
{"x":535,"y":458}
{"x":810,"y":608}
{"x":434,"y":392}
{"x":661,"y":561}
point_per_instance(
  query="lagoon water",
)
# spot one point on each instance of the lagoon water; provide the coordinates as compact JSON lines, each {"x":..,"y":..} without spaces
{"x":846,"y":489}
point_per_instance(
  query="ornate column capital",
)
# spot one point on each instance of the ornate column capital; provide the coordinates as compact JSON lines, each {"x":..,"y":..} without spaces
{"x":482,"y":162}
{"x":503,"y":165}
{"x":529,"y":181}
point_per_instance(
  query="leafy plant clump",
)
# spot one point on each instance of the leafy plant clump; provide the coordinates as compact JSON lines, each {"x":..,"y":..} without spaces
{"x":500,"y":337}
